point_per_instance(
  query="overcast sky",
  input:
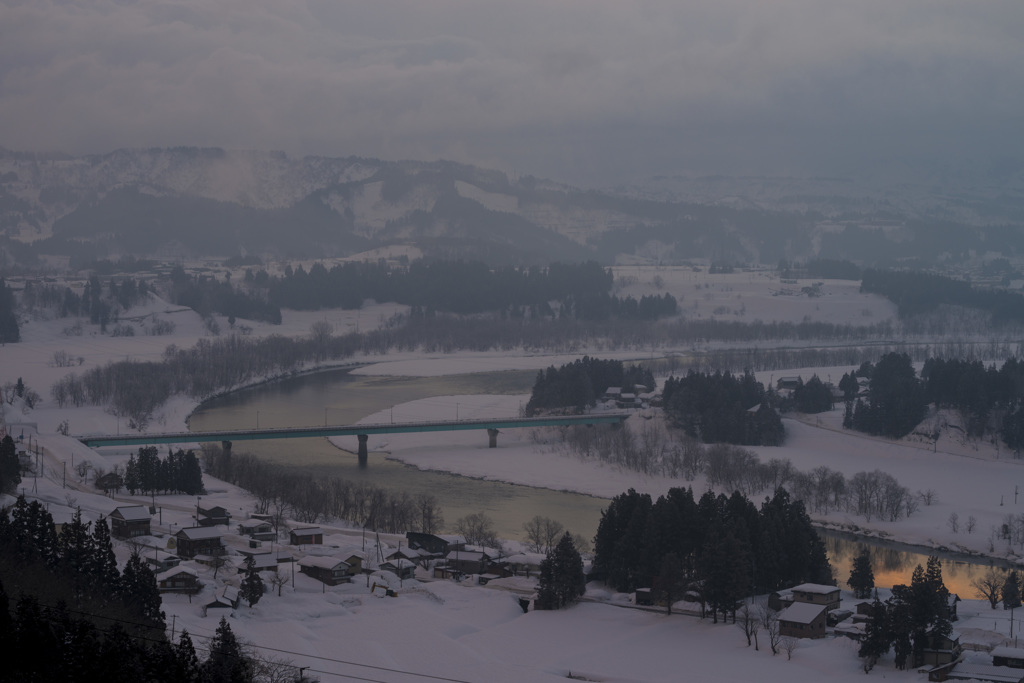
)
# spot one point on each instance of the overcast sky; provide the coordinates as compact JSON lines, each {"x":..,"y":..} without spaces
{"x":592,"y":92}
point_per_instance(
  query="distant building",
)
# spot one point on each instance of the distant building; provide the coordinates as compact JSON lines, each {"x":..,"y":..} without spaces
{"x":1008,"y":656}
{"x":312,"y":535}
{"x":178,"y":580}
{"x":817,"y":594}
{"x":330,"y":570}
{"x":436,"y":544}
{"x":213,"y":516}
{"x":260,"y":529}
{"x":196,"y":540}
{"x":803,"y":620}
{"x":129,"y":521}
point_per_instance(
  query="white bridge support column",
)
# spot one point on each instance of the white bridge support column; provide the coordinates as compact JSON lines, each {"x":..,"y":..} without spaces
{"x":363,"y":454}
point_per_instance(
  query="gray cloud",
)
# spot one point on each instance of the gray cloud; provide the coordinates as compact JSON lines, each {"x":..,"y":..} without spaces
{"x":589,"y":91}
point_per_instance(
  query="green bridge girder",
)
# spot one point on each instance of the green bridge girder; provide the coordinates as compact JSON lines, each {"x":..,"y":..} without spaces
{"x":99,"y":440}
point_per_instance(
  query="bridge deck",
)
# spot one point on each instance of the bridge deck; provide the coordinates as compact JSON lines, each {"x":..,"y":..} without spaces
{"x":97,"y":440}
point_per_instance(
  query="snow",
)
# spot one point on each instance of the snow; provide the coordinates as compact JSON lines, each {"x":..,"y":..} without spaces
{"x":472,"y":633}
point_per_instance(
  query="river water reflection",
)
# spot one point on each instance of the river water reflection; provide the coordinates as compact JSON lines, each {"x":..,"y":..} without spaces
{"x":339,"y":397}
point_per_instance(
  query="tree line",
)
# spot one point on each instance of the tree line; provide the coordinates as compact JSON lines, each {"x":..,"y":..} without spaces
{"x":179,"y":472}
{"x":652,"y":451}
{"x":914,"y":619}
{"x":719,"y":549}
{"x":915,"y":293}
{"x":282,"y":493}
{"x":723,"y":408}
{"x":579,"y":384}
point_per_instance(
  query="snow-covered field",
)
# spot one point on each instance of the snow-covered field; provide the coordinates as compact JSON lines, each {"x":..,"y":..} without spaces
{"x":466,"y":633}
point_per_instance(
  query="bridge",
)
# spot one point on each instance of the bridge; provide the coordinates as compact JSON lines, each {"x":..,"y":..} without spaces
{"x":361,"y":431}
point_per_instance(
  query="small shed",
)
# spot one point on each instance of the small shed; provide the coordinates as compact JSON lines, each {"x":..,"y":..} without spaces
{"x":310,"y":535}
{"x":129,"y":521}
{"x":161,"y":561}
{"x":802,"y":620}
{"x":941,"y":649}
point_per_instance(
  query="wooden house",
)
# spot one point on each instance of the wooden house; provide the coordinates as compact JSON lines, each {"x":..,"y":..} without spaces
{"x":941,"y":650}
{"x":213,"y":516}
{"x":264,"y":562}
{"x":259,"y":529}
{"x":468,"y":562}
{"x":817,"y":594}
{"x":402,"y":568}
{"x":312,"y":535}
{"x":129,"y":521}
{"x":437,"y":545}
{"x":1005,"y":655}
{"x":803,"y":620}
{"x":178,"y":580}
{"x":197,"y":540}
{"x":161,"y":561}
{"x":329,"y":570}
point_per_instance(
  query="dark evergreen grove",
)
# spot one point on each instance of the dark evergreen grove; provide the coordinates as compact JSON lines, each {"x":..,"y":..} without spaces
{"x":916,"y":293}
{"x":579,"y":384}
{"x":724,"y":548}
{"x":68,"y":614}
{"x":912,"y":620}
{"x":723,"y":408}
{"x":9,"y":332}
{"x":897,"y":402}
{"x":178,"y":473}
{"x":562,"y":580}
{"x":10,"y":468}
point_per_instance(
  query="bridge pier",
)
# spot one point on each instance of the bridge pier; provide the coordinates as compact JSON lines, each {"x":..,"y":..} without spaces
{"x":492,"y":435}
{"x":226,"y":446}
{"x":363,"y":454}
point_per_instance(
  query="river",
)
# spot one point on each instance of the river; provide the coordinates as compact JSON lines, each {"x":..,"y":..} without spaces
{"x":340,"y":397}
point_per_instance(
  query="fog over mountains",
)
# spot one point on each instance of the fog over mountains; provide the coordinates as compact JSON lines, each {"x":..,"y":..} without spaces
{"x":216,"y":202}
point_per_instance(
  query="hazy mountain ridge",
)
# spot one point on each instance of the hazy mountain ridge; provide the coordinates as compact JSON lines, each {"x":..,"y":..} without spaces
{"x":220,"y":202}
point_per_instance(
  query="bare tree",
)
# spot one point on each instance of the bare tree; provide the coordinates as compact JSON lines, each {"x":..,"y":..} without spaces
{"x":542,"y":533}
{"x":927,"y":496}
{"x":972,"y":522}
{"x":769,"y":619}
{"x":989,"y":586}
{"x":954,"y":522}
{"x":748,"y":620}
{"x":478,"y":529}
{"x":789,"y":643}
{"x":278,"y":580}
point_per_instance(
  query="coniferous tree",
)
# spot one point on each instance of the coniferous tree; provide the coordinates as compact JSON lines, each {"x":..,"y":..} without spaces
{"x":252,"y":586}
{"x":877,"y":637}
{"x":1011,"y":590}
{"x":139,"y":592}
{"x":227,"y":662}
{"x":186,"y":666}
{"x":10,"y":468}
{"x":562,"y":580}
{"x":862,"y":576}
{"x":102,"y":565}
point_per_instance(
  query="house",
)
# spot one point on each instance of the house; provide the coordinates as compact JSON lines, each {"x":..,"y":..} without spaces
{"x":941,"y":649}
{"x":227,"y":598}
{"x":415,"y":555}
{"x":1008,"y":656}
{"x":212,"y":516}
{"x":356,"y":559}
{"x":259,"y":529}
{"x":402,"y":568}
{"x":803,"y":620}
{"x":178,"y":580}
{"x":312,"y":535}
{"x":437,"y":545}
{"x":612,"y":394}
{"x":263,"y":562}
{"x":329,"y":570}
{"x":468,"y":562}
{"x":129,"y":521}
{"x":788,"y":383}
{"x":161,"y":561}
{"x":197,"y":540}
{"x":969,"y":671}
{"x":626,"y":400}
{"x":525,"y":564}
{"x":817,"y":594}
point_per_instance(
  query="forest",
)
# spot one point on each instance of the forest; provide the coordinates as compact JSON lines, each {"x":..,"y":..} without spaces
{"x":723,"y":408}
{"x":716,"y":548}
